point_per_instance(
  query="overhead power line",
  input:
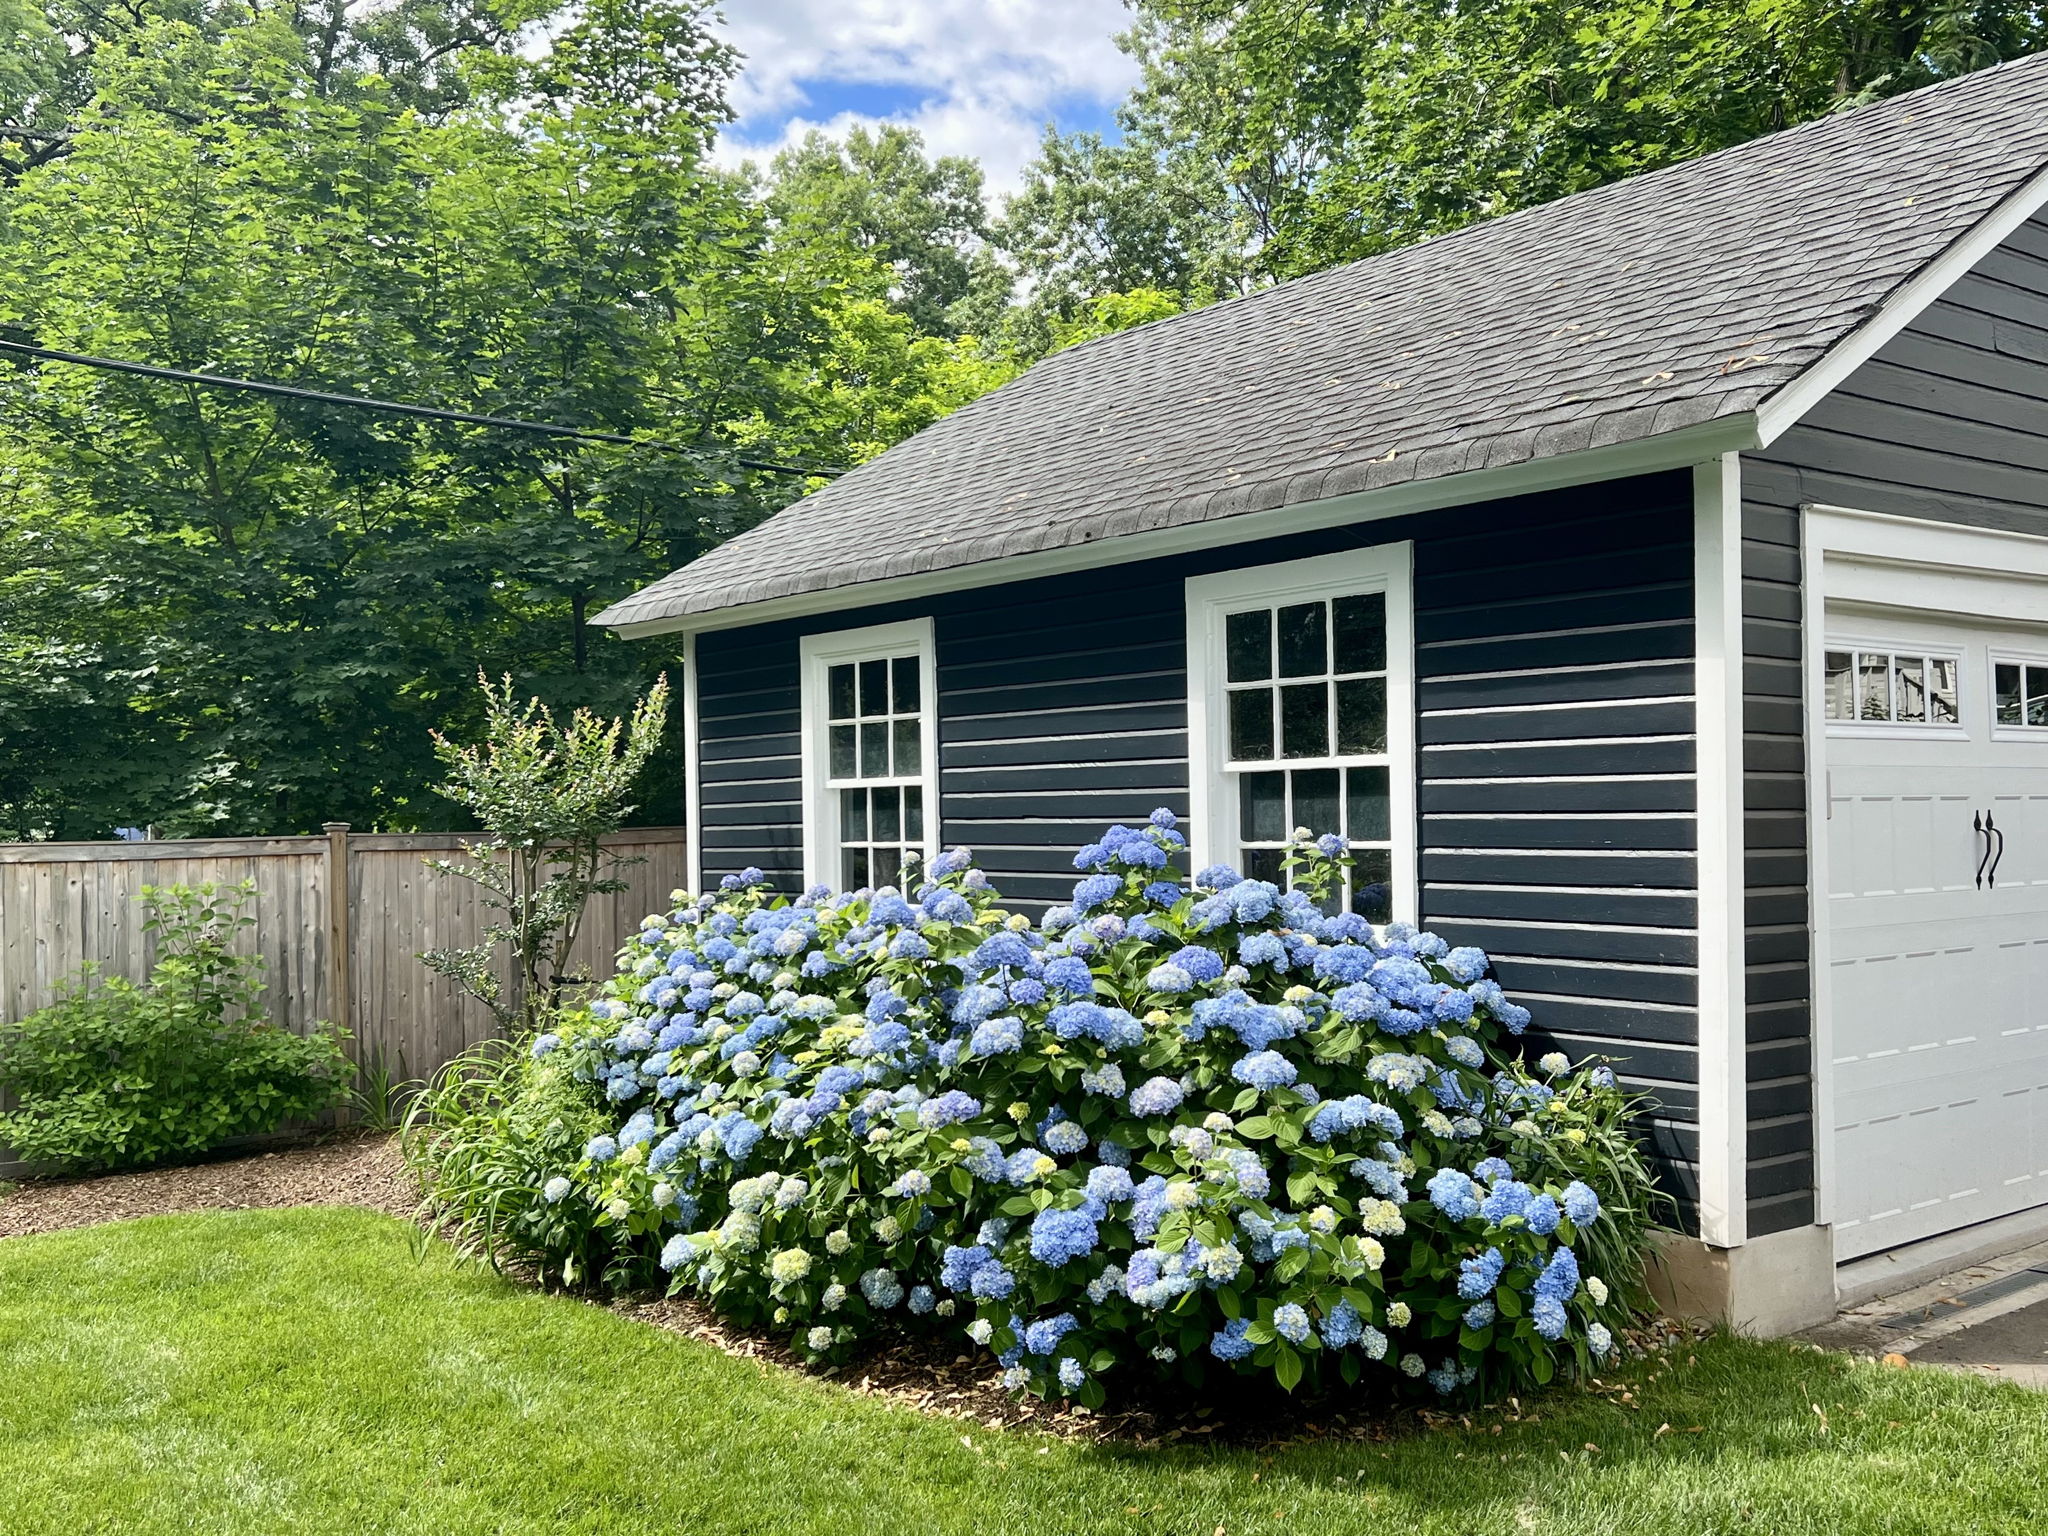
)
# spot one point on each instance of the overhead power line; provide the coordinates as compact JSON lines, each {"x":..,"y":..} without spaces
{"x":397,"y":408}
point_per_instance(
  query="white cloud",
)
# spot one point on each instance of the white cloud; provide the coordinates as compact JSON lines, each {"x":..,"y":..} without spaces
{"x":975,"y":77}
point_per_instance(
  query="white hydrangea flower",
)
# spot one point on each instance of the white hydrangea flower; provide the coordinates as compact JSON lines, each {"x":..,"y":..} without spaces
{"x":981,"y":1330}
{"x":1399,"y":1315}
{"x":1412,"y":1365}
{"x":1553,"y":1062}
{"x":820,"y":1339}
{"x":1597,"y":1289}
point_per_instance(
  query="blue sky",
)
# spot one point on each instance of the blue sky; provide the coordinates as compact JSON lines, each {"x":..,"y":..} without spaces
{"x":975,"y":77}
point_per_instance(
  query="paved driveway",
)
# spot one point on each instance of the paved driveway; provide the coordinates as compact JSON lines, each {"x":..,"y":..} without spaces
{"x":1990,"y":1320}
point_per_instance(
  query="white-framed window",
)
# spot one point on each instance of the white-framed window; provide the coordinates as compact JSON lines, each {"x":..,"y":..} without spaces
{"x":870,"y":754}
{"x":2019,"y":694}
{"x":1891,"y":687}
{"x":1301,"y":705}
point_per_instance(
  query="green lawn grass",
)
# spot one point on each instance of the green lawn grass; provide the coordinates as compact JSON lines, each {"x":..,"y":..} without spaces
{"x":301,"y":1371}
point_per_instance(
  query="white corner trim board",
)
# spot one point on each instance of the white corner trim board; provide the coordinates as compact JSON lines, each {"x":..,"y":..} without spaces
{"x":1668,"y":450}
{"x":1723,"y":1085}
{"x":693,"y":774}
{"x":1906,"y":303}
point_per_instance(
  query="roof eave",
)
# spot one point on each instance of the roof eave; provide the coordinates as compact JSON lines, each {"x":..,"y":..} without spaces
{"x":1681,"y":448}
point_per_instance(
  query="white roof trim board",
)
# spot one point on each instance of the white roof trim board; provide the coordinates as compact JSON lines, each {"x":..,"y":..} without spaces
{"x":1650,"y":323}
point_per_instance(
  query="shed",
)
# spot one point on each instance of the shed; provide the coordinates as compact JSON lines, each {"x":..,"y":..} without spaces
{"x":1653,"y":584}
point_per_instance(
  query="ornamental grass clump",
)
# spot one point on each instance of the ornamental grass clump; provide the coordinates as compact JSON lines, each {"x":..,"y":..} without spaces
{"x":1181,"y":1129}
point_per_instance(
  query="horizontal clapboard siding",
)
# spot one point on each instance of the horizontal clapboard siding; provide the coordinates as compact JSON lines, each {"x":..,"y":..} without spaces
{"x":1948,"y":422}
{"x":1555,"y":721}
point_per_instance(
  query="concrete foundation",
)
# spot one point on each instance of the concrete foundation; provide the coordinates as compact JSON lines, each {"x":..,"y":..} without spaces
{"x":1771,"y":1285}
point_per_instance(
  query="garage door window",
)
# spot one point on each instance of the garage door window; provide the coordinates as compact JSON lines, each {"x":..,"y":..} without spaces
{"x":1874,"y":687}
{"x":2019,"y":692}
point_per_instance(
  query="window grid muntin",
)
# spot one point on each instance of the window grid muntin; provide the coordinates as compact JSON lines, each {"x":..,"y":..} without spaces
{"x":1370,"y":887}
{"x":1913,"y":687}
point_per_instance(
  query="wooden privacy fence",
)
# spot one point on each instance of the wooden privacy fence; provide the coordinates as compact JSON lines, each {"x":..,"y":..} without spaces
{"x":341,"y":920}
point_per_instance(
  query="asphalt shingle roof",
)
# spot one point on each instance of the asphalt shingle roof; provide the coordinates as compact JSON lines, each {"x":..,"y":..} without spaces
{"x":1630,"y":310}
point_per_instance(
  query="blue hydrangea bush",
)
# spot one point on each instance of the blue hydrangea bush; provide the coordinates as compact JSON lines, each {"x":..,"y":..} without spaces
{"x":1175,"y":1127}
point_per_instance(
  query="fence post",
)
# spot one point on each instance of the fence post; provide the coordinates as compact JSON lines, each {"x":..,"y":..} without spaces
{"x":337,"y":923}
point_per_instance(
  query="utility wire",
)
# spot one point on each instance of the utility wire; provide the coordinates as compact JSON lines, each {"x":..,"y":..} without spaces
{"x":393,"y":407}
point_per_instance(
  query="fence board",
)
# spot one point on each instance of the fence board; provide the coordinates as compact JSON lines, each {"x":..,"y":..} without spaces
{"x":63,"y":905}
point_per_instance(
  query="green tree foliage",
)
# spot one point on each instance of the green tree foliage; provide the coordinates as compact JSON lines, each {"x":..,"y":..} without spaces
{"x":1281,"y":136}
{"x":233,"y":612}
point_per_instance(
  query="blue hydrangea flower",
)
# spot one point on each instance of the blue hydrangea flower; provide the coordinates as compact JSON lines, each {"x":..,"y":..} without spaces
{"x":997,"y":1037}
{"x":1156,"y":1096}
{"x":1043,"y":1336}
{"x":1071,"y":1374}
{"x":1109,"y":1184}
{"x":1230,"y":1342}
{"x":1480,"y":1315}
{"x":1581,"y":1204}
{"x":1548,"y":1315}
{"x":1453,"y":1193}
{"x":1560,"y":1277}
{"x":1065,"y":1138}
{"x":949,"y":1108}
{"x":1264,"y":1070}
{"x":601,"y":1149}
{"x":1059,"y":1237}
{"x":1478,"y":1276}
{"x":1290,"y":1322}
{"x":1343,"y":1327}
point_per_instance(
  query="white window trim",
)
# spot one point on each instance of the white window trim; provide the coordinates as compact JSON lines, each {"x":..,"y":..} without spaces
{"x":819,"y":653}
{"x":2000,"y":730}
{"x":1384,"y":568}
{"x":1901,"y":730}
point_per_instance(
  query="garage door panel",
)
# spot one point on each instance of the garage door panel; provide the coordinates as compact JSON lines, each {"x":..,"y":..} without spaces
{"x":1938,"y":976}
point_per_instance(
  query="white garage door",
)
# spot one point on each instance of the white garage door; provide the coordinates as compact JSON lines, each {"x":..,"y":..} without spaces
{"x":1937,"y":872}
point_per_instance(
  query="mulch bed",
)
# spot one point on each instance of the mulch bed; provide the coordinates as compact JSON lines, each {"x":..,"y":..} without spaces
{"x":929,"y":1375}
{"x":340,"y":1168}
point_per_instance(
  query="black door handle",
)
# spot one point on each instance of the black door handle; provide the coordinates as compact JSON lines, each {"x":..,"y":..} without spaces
{"x":1991,"y":875}
{"x":1977,"y":830}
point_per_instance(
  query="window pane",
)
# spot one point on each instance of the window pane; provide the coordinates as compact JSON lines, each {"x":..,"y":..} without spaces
{"x":874,"y":688}
{"x":1873,"y":690}
{"x":1909,"y":687}
{"x":874,"y":750}
{"x":1942,"y":705}
{"x":1366,"y":815}
{"x":2005,"y":683}
{"x":888,"y":815}
{"x":843,"y":758}
{"x":1262,"y":807}
{"x":904,"y":671}
{"x":1372,"y":886}
{"x":888,"y":868}
{"x":839,"y":688}
{"x":906,"y":747}
{"x":1361,"y":716}
{"x":1304,"y":639}
{"x":1262,"y":864}
{"x":2037,"y":695}
{"x":1360,"y":632}
{"x":855,"y":861}
{"x":1248,"y":646}
{"x":1839,"y":687}
{"x":1251,"y":725}
{"x":913,"y":815}
{"x":1305,"y":720}
{"x":1315,"y":799}
{"x":853,"y":815}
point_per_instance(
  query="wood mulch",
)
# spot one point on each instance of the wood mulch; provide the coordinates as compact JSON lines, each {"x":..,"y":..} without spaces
{"x":339,"y":1168}
{"x":929,"y":1375}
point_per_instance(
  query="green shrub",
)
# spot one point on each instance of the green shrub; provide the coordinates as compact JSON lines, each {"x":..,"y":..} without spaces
{"x":1175,"y":1129}
{"x":116,"y":1075}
